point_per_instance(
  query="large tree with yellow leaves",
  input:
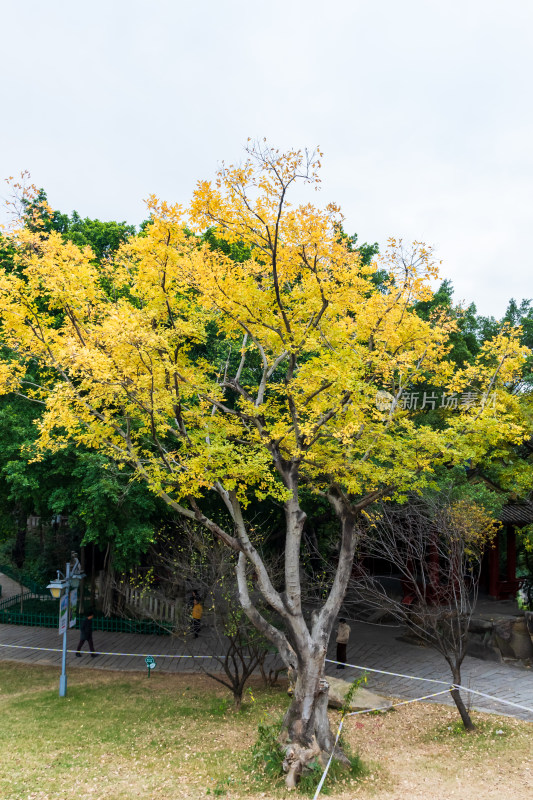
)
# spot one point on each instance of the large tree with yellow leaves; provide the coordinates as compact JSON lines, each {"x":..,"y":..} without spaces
{"x":282,"y":370}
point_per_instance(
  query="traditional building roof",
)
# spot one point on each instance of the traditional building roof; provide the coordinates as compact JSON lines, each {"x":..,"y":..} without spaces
{"x":517,"y":514}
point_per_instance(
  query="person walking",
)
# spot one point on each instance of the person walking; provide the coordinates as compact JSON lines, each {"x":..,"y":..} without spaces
{"x":343,"y":635}
{"x":86,"y":634}
{"x":196,"y":614}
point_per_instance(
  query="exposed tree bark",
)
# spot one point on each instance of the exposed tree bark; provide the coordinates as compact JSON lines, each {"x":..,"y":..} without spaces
{"x":458,"y":700}
{"x":19,"y":548}
{"x":108,"y":607}
{"x":306,"y":731}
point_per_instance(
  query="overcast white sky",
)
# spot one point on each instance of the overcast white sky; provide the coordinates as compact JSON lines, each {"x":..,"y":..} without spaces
{"x":424,"y":111}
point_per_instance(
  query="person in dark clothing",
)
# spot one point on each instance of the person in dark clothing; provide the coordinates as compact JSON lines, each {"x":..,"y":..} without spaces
{"x":86,"y":635}
{"x":343,"y":634}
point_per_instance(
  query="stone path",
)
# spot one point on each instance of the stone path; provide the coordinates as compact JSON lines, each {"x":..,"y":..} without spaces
{"x":9,"y":587}
{"x":370,"y":646}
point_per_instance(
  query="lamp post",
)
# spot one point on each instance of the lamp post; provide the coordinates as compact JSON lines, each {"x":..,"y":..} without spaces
{"x":60,"y":590}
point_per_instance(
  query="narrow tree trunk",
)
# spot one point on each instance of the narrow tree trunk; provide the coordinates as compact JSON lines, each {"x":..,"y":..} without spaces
{"x":19,"y":548}
{"x":237,"y":700}
{"x":93,"y":578}
{"x":458,"y":700}
{"x":81,"y":593}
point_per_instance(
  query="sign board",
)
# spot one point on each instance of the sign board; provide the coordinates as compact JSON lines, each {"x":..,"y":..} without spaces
{"x":73,"y":604}
{"x":63,"y":613}
{"x":150,"y":663}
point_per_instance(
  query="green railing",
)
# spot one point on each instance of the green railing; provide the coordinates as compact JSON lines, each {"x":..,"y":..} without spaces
{"x":21,"y":618}
{"x":15,"y":599}
{"x":9,"y":614}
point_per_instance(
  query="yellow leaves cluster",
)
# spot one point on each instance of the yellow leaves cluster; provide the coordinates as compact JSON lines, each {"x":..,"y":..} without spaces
{"x":11,"y":375}
{"x":473,"y":524}
{"x":526,"y":537}
{"x":198,"y":367}
{"x":59,"y":270}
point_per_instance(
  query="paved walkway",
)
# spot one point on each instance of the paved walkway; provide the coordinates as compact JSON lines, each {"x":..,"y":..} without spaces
{"x":377,"y":647}
{"x":371,"y":646}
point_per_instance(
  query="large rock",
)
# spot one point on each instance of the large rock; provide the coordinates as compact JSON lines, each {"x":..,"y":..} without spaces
{"x":479,"y":647}
{"x":521,"y":642}
{"x":529,"y":622}
{"x":503,"y":631}
{"x":361,"y":700}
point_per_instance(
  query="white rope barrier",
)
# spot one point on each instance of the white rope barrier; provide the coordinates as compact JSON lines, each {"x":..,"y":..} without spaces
{"x":491,"y":697}
{"x":105,"y":653}
{"x":326,"y":770}
{"x":434,"y":680}
{"x":331,"y":661}
{"x":399,"y":703}
{"x":384,"y":672}
{"x":366,"y":711}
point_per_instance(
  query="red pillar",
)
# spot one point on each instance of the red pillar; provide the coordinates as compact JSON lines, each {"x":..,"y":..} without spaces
{"x":494,"y":567}
{"x":511,"y":554}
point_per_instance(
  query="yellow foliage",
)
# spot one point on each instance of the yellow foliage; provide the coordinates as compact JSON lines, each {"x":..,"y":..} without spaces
{"x":199,"y":368}
{"x":473,"y":524}
{"x":526,"y":536}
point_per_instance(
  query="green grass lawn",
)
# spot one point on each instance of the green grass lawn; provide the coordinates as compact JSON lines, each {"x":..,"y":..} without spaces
{"x":122,"y":735}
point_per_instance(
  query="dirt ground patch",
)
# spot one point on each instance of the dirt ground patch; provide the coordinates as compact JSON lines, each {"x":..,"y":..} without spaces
{"x":420,"y":752}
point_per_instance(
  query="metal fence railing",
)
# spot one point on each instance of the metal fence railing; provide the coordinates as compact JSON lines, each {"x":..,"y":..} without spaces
{"x":22,"y":618}
{"x":10,"y":614}
{"x":16,"y":599}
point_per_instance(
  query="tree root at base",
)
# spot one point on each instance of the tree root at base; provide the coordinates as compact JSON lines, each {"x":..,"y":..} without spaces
{"x":298,"y":757}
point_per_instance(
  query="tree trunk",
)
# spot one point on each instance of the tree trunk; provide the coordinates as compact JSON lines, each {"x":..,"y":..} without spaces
{"x":306,"y":732}
{"x":237,"y":700}
{"x":93,"y":577}
{"x":19,"y":548}
{"x":81,"y":593}
{"x":458,"y":700}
